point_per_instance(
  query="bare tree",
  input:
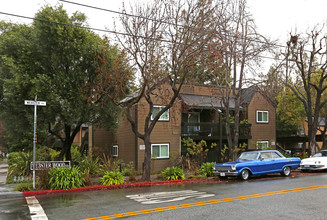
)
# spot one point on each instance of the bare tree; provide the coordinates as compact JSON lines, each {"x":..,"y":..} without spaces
{"x":241,"y":47}
{"x":306,"y":75}
{"x":164,"y":40}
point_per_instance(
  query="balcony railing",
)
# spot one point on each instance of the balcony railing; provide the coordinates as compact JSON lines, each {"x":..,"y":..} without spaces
{"x":209,"y":129}
{"x":290,"y":133}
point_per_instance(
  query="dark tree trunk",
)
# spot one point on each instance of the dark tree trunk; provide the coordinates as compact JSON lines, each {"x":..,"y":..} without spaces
{"x":68,"y":141}
{"x":147,"y":159}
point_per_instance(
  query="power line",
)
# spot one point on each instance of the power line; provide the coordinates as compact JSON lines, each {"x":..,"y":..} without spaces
{"x":107,"y":10}
{"x":76,"y":26}
{"x":106,"y":31}
{"x":138,"y":16}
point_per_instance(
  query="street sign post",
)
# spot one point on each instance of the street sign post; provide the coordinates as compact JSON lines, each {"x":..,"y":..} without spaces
{"x":35,"y":103}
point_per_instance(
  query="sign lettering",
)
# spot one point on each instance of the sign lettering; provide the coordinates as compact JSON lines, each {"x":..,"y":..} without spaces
{"x":38,"y":103}
{"x":45,"y":165}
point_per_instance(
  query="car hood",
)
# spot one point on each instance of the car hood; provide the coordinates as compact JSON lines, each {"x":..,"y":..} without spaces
{"x":234,"y":162}
{"x":314,"y":159}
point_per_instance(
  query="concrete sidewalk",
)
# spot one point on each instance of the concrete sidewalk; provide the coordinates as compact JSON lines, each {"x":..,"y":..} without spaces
{"x":6,"y":190}
{"x":3,"y":171}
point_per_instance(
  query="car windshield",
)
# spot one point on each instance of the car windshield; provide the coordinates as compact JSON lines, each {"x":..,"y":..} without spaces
{"x":248,"y":156}
{"x":317,"y":155}
{"x":320,"y":154}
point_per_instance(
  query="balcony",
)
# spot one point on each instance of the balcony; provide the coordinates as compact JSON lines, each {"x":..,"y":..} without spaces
{"x":209,"y":130}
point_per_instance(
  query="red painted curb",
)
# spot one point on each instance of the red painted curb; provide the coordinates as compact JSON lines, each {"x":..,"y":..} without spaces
{"x":127,"y":185}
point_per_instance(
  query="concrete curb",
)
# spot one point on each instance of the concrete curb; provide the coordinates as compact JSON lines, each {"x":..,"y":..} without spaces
{"x":128,"y":185}
{"x":7,"y":195}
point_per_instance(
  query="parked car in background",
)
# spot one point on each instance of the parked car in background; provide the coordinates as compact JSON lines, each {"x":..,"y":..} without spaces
{"x":253,"y":163}
{"x":316,"y":162}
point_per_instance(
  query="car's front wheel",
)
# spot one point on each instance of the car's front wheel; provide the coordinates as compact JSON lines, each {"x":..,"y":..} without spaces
{"x":286,"y":171}
{"x":245,"y":174}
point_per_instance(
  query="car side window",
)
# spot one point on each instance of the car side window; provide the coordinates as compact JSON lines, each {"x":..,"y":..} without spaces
{"x":274,"y":155}
{"x":265,"y":155}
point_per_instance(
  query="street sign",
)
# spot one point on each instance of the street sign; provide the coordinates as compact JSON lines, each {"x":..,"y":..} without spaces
{"x":44,"y":165}
{"x":32,"y":102}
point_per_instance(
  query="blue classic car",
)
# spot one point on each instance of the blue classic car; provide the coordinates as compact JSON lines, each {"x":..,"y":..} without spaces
{"x":254,"y":163}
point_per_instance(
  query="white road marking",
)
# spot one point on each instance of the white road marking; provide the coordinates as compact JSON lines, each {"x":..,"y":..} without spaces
{"x":163,"y":197}
{"x":36,"y":210}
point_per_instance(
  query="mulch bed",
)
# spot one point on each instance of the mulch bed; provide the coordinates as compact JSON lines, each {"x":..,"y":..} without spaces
{"x":155,"y":182}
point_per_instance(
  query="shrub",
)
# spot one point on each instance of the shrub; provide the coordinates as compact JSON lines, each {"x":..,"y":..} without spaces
{"x":126,"y":172}
{"x":106,"y":163}
{"x":207,"y":169}
{"x":42,"y":153}
{"x":24,"y":187}
{"x":198,"y":151}
{"x":129,"y":170}
{"x":111,"y":164}
{"x":76,"y":154}
{"x":43,"y":179}
{"x":54,"y":155}
{"x":66,"y":178}
{"x":87,"y":177}
{"x":18,"y":179}
{"x":112,"y":178}
{"x":93,"y":166}
{"x":19,"y":163}
{"x":301,"y":155}
{"x":173,"y":173}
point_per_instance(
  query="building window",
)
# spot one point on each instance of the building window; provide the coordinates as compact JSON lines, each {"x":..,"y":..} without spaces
{"x":300,"y":145}
{"x":156,"y":110}
{"x":115,"y":151}
{"x":262,"y":117}
{"x":262,"y":145}
{"x":160,"y":151}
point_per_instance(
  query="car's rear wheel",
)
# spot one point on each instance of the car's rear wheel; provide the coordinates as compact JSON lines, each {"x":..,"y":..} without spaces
{"x":286,"y":171}
{"x":245,"y":174}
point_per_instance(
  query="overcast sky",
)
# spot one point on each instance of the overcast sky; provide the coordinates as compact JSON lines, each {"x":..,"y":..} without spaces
{"x":274,"y":18}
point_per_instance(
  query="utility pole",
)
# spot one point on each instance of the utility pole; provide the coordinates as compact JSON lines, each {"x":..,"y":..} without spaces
{"x":35,"y":103}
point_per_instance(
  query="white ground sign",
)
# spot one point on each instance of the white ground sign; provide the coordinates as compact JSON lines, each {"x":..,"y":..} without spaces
{"x":163,"y":197}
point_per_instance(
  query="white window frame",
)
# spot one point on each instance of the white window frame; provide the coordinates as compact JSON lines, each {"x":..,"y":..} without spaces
{"x":257,"y":118}
{"x":116,"y":149}
{"x":262,"y":142}
{"x":160,"y":157}
{"x":160,"y":118}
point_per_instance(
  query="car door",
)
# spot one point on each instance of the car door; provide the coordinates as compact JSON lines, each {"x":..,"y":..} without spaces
{"x":278,"y":161}
{"x":266,"y":163}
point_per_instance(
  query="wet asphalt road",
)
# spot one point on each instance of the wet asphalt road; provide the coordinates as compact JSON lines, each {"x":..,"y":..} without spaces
{"x":300,"y":204}
{"x":14,"y":208}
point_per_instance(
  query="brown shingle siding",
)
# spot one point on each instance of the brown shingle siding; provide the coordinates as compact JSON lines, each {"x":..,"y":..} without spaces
{"x":170,"y":131}
{"x":261,"y":131}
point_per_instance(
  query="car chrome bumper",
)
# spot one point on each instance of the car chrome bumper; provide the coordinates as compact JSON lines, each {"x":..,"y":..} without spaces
{"x":221,"y":173}
{"x":313,"y":167}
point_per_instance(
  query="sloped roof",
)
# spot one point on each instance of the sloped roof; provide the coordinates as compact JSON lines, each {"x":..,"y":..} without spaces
{"x":248,"y":94}
{"x":204,"y":101}
{"x":130,"y":97}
